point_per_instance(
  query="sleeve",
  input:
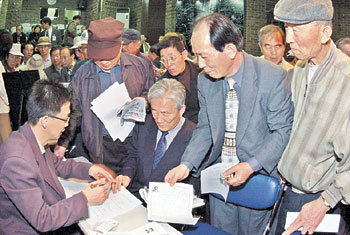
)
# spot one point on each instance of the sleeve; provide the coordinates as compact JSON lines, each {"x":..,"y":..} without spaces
{"x":340,"y":187}
{"x":75,"y":115}
{"x":4,"y":103}
{"x":201,"y":138}
{"x":279,"y":117}
{"x":131,"y":163}
{"x":21,"y":182}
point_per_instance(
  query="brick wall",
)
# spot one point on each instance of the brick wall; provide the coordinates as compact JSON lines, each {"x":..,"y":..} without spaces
{"x":3,"y":14}
{"x":341,"y":20}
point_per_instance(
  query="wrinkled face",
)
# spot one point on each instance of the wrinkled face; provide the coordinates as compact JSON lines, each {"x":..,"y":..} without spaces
{"x":44,"y":50}
{"x":66,"y":58}
{"x":13,"y":60}
{"x":81,"y":52}
{"x":272,"y":47}
{"x":56,"y":58}
{"x":28,"y":51}
{"x":165,"y":113}
{"x":132,"y":47}
{"x":107,"y":65}
{"x":346,"y":49}
{"x":173,"y":60}
{"x":18,"y":30}
{"x":56,"y":126}
{"x":304,"y":40}
{"x":214,"y":63}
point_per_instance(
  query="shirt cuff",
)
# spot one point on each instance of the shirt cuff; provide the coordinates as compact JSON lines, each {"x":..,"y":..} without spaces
{"x":254,"y":164}
{"x":332,"y":195}
{"x":189,"y":165}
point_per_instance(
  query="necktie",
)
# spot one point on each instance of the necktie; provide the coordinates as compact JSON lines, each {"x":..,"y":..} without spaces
{"x":229,"y":154}
{"x":160,"y":150}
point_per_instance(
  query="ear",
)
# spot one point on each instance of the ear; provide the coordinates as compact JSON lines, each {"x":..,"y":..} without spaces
{"x":260,"y":46}
{"x":326,"y":33}
{"x":43,"y":121}
{"x":184,"y":53}
{"x":182,"y":109}
{"x":230,"y":50}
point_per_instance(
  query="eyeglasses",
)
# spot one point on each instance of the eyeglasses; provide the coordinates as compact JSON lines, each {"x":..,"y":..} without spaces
{"x":171,"y":59}
{"x":64,"y":120}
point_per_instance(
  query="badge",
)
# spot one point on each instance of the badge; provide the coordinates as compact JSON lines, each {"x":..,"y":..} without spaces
{"x":53,"y":37}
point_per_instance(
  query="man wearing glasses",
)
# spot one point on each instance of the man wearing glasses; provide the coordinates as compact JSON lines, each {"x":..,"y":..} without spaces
{"x":173,"y":56}
{"x":32,"y":200}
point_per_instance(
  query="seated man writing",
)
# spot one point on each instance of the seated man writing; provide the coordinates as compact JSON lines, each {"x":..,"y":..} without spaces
{"x":32,"y":200}
{"x":158,"y":144}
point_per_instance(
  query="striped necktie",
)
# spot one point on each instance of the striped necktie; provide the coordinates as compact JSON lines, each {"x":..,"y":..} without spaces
{"x":229,"y":154}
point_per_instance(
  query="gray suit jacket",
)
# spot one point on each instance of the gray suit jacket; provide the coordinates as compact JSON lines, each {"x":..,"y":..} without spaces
{"x":264,"y":118}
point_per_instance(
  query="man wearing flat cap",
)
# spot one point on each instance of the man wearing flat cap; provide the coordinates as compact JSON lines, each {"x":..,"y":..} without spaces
{"x":108,"y":65}
{"x":316,"y":161}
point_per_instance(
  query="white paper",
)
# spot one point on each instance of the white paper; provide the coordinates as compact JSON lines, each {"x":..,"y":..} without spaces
{"x":152,"y":228}
{"x":329,"y":224}
{"x":170,"y":203}
{"x":211,"y":181}
{"x":106,"y":107}
{"x":116,"y":204}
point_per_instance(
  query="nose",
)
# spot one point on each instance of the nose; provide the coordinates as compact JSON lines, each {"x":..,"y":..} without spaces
{"x":273,"y":50}
{"x":289,"y":35}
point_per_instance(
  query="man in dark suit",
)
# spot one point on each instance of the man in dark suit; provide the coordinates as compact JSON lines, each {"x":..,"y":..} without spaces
{"x":19,"y":36}
{"x":54,"y":71}
{"x":255,"y":140}
{"x":143,"y":164}
{"x":54,"y":34}
{"x":32,"y":200}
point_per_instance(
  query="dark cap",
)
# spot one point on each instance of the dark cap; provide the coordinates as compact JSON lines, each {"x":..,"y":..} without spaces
{"x":131,"y":35}
{"x":104,"y":38}
{"x":303,"y":11}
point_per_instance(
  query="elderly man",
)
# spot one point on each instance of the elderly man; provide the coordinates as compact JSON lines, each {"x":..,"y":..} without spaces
{"x":158,"y":144}
{"x":173,"y":56}
{"x":54,"y":72}
{"x":272,"y":43}
{"x":28,"y":51}
{"x":32,"y":200}
{"x":13,"y":58}
{"x":108,"y":65}
{"x":53,"y":34}
{"x":69,"y":64}
{"x":316,"y":159}
{"x":344,"y":45}
{"x":44,"y":46}
{"x":258,"y":116}
{"x":19,"y":36}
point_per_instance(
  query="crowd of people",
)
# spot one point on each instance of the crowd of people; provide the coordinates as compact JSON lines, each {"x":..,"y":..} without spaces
{"x":261,"y":115}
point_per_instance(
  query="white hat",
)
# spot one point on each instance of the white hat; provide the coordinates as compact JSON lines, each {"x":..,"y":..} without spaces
{"x":16,"y":49}
{"x":80,"y":40}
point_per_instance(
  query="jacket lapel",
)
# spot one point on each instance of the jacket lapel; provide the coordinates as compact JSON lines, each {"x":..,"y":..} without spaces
{"x":43,"y":164}
{"x":247,"y":97}
{"x":150,"y":144}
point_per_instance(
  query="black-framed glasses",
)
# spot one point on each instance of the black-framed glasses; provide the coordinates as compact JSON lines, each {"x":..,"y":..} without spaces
{"x":64,"y":120}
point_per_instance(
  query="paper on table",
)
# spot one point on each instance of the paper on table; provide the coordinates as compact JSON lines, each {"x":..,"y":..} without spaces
{"x":152,"y":228}
{"x":211,"y":181}
{"x":116,"y":204}
{"x":106,"y":107}
{"x":329,"y":224}
{"x":170,"y":203}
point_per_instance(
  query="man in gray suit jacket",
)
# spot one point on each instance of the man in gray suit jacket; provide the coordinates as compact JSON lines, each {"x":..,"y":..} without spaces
{"x":264,"y":118}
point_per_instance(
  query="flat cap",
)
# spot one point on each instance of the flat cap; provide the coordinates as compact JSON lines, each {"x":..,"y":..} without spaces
{"x":131,"y":35}
{"x":104,"y":38}
{"x":303,"y":11}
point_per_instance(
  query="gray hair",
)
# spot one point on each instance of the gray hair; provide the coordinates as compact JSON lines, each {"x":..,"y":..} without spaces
{"x":341,"y":42}
{"x":268,"y":29}
{"x":169,"y":88}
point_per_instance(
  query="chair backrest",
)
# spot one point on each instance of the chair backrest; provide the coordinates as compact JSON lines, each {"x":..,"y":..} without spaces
{"x":259,"y":192}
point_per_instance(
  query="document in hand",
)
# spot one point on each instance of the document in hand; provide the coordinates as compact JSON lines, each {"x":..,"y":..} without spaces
{"x":211,"y":181}
{"x":171,"y":204}
{"x":106,"y":107}
{"x":134,"y":110}
{"x":116,"y":204}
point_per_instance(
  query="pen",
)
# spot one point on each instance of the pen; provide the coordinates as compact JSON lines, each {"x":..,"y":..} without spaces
{"x":96,"y":185}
